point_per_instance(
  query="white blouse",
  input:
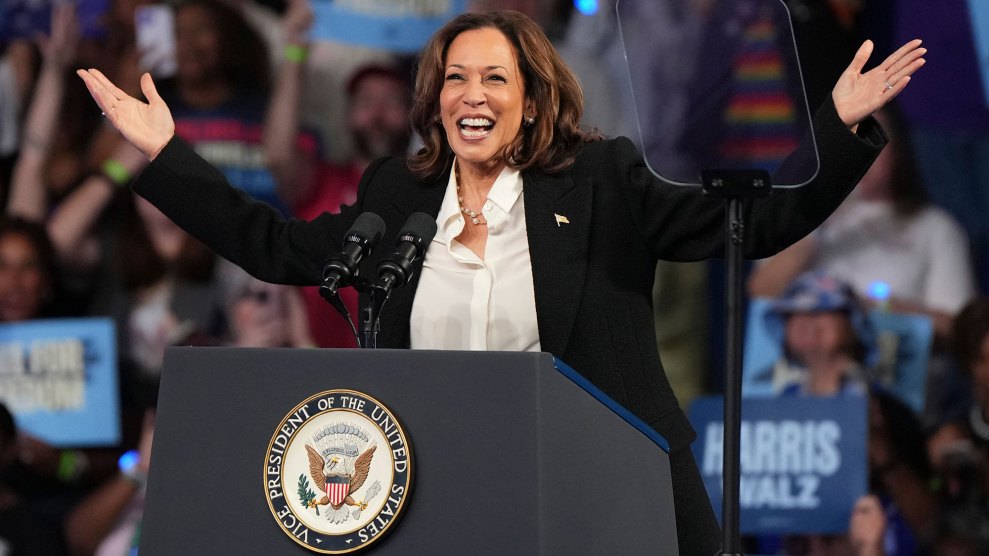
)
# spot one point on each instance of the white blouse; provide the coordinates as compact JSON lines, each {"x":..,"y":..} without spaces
{"x":464,"y":302}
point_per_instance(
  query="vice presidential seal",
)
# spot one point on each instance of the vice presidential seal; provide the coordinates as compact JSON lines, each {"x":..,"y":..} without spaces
{"x":337,"y":472}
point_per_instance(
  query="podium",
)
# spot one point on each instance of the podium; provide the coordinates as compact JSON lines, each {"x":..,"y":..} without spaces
{"x":513,"y":453}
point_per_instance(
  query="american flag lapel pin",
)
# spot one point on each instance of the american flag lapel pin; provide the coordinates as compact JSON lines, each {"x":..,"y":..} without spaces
{"x":560,"y":219}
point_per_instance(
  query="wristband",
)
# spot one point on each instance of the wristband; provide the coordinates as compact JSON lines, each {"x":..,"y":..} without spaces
{"x":115,"y":172}
{"x":71,"y":464}
{"x":296,"y":53}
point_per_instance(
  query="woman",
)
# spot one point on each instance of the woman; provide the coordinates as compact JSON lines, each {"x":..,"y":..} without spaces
{"x":27,"y":271}
{"x":564,"y":264}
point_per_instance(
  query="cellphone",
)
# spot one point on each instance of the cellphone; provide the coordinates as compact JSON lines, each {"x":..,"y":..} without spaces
{"x":154,"y":26}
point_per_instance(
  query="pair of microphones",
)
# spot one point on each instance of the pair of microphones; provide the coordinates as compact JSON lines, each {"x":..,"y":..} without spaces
{"x":393,"y":271}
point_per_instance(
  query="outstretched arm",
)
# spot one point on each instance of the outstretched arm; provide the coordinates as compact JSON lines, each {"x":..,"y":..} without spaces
{"x":148,"y":126}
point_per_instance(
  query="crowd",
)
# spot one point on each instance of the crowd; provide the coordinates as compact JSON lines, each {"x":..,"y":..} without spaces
{"x":294,"y":123}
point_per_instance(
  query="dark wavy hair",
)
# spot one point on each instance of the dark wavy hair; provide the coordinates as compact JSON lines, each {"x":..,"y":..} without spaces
{"x":551,"y":143}
{"x":243,"y":53}
{"x":36,"y":234}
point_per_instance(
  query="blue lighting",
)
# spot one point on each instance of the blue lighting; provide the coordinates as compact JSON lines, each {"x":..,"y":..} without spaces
{"x":879,"y":290}
{"x":128,"y":460}
{"x":586,"y":7}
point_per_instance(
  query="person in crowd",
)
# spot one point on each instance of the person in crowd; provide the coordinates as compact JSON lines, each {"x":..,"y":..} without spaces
{"x":950,"y":135}
{"x":267,"y":315}
{"x":69,"y":169}
{"x":22,"y":532}
{"x":972,"y":348}
{"x":829,"y":345}
{"x":896,"y":250}
{"x":548,"y":237}
{"x":46,"y":479}
{"x":960,"y":449}
{"x":826,"y":337}
{"x":107,"y":521}
{"x":220,"y":93}
{"x":377,"y":124}
{"x":886,"y":232}
{"x":27,"y":271}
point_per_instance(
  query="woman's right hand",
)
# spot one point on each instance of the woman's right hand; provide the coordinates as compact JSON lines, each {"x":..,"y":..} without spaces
{"x":147,"y":126}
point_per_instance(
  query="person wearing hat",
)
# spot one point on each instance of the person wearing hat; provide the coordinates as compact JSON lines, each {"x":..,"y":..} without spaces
{"x":827,"y":338}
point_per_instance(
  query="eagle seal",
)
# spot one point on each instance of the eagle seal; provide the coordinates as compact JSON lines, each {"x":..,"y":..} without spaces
{"x":328,"y":484}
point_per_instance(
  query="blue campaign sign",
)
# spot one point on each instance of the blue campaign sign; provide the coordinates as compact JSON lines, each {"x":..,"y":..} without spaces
{"x":904,"y":347}
{"x":978,"y":11}
{"x":59,"y":379}
{"x":763,"y":348}
{"x":906,"y":341}
{"x":395,"y":25}
{"x":24,"y":19}
{"x":803,"y":461}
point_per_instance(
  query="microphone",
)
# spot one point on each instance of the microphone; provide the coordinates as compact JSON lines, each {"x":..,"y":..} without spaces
{"x":341,"y":270}
{"x":395,"y":270}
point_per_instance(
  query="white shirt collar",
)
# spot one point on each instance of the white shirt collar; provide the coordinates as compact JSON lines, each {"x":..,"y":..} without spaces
{"x":504,"y":193}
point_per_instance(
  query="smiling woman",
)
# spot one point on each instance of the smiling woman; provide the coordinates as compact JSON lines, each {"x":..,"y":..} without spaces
{"x":519,"y":58}
{"x":568,"y":229}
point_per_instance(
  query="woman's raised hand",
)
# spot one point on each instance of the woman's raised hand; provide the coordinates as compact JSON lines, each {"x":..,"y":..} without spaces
{"x":148,"y":126}
{"x":858,"y":95}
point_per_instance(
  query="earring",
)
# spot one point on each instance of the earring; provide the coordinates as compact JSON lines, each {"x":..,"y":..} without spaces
{"x":436,"y":118}
{"x":529,"y":120}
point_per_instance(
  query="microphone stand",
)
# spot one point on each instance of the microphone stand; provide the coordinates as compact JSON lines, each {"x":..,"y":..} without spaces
{"x":735,"y":186}
{"x":332,"y":296}
{"x":370,"y":323}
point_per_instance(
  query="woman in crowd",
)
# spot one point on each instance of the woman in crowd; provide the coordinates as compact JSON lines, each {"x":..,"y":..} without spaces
{"x":885,"y":232}
{"x":548,"y":238}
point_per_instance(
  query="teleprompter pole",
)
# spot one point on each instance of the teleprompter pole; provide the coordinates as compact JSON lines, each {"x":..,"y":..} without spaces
{"x":736,"y":186}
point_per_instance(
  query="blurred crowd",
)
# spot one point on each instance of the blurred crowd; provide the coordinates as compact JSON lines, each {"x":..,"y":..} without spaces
{"x":293,"y":122}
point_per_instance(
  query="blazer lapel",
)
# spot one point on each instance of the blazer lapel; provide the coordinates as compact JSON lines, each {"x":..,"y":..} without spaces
{"x":420,"y":197}
{"x":558,"y":219}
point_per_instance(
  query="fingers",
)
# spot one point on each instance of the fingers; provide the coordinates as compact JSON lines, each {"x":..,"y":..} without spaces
{"x":901,"y":52}
{"x":112,"y":89}
{"x":905,"y":60}
{"x":149,"y":89}
{"x":99,"y":93}
{"x":861,"y":57}
{"x":898,"y":80}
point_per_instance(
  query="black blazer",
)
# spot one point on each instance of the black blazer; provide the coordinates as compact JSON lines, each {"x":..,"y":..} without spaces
{"x":593,"y":276}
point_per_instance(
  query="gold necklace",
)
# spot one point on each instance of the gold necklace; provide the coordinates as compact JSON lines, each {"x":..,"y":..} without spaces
{"x":474,"y":217}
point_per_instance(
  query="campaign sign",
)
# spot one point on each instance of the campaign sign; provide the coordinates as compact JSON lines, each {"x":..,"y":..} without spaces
{"x":802,"y":462}
{"x":903,"y":346}
{"x":24,"y":19}
{"x":59,"y":379}
{"x":978,"y":11}
{"x":395,"y":25}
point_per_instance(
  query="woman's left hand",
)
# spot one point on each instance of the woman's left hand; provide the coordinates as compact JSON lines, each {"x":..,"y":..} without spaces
{"x":858,"y":95}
